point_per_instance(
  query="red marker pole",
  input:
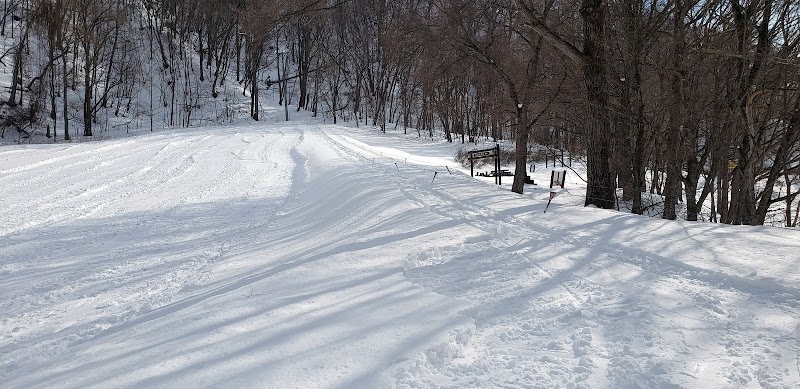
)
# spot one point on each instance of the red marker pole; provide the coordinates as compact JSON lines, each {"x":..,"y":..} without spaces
{"x":552,"y":194}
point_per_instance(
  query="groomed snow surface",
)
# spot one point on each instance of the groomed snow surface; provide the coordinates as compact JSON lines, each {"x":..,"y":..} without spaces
{"x":306,"y":255}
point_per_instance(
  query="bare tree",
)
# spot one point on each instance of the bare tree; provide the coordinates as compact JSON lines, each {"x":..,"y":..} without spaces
{"x":600,"y":189}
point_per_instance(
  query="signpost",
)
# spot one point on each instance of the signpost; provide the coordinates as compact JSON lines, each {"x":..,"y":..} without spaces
{"x":486,"y":153}
{"x":556,"y":179}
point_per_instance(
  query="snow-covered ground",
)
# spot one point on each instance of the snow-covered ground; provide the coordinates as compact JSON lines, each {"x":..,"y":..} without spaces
{"x":306,"y":255}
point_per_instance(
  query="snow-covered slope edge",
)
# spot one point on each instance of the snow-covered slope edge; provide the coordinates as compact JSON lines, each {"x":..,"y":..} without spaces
{"x":590,"y":298}
{"x":315,"y":256}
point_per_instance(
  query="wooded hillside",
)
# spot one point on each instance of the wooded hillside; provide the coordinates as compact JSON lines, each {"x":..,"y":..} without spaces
{"x":698,"y":101}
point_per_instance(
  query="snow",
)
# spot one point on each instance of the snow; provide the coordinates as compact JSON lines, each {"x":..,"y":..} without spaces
{"x":305,"y":255}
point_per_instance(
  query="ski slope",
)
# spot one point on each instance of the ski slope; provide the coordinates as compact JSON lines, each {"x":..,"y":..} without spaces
{"x":305,"y":255}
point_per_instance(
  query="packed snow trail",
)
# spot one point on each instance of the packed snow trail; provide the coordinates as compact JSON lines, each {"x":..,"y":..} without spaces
{"x":245,"y":257}
{"x":318,"y":256}
{"x":590,"y":298}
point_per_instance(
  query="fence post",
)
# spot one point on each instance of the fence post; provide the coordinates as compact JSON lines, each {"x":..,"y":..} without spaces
{"x":471,"y":166}
{"x":497,"y":164}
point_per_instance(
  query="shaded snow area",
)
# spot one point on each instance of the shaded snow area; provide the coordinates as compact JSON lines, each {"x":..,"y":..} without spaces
{"x":315,"y":256}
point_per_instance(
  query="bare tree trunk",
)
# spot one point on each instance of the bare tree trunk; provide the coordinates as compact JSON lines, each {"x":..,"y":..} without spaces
{"x":255,"y":51}
{"x":674,"y":175}
{"x":789,"y":200}
{"x":600,"y":190}
{"x":743,"y":201}
{"x":304,"y":61}
{"x":201,"y":51}
{"x":88,"y":86}
{"x":690,"y":182}
{"x":16,"y":76}
{"x":64,"y":90}
{"x":238,"y":45}
{"x":51,"y":56}
{"x":638,"y":171}
{"x":110,"y":65}
{"x":521,"y":151}
{"x":723,"y":197}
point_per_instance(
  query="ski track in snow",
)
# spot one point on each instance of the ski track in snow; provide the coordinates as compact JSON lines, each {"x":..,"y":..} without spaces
{"x":590,"y":334}
{"x":301,"y":256}
{"x":58,"y":287}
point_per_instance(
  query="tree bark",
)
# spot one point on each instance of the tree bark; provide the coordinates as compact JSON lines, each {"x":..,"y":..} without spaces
{"x":600,"y":190}
{"x":16,"y":77}
{"x":64,"y":89}
{"x":674,"y":175}
{"x":88,"y":85}
{"x":521,"y":151}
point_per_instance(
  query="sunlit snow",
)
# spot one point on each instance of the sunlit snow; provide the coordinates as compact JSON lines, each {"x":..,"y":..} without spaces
{"x":307,"y":255}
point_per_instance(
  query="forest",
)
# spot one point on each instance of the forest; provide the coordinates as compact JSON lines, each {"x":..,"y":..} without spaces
{"x":697,"y":102}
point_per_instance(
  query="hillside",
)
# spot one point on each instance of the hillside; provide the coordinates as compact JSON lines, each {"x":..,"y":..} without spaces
{"x":694,"y":119}
{"x":308,"y":255}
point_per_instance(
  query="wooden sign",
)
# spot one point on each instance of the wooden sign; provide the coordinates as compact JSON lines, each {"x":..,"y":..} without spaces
{"x":557,"y":178}
{"x":486,"y":153}
{"x":477,"y":154}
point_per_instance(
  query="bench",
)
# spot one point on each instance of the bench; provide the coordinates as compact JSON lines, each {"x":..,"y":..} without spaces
{"x":504,"y":173}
